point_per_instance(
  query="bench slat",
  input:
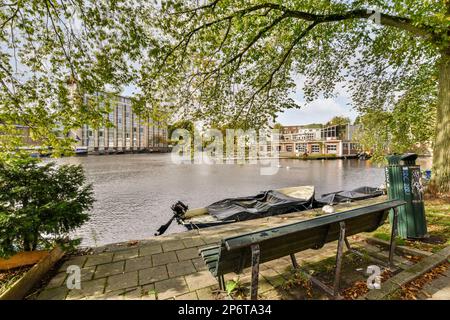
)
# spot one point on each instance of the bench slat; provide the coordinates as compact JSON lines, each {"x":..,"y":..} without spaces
{"x":235,"y":253}
{"x":248,"y":239}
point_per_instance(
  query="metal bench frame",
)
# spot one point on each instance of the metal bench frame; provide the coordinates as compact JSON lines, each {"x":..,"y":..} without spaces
{"x":334,"y":291}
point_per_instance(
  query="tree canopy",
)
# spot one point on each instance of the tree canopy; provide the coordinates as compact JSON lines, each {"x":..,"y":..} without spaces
{"x":227,"y":62}
{"x":338,"y":120}
{"x":54,"y":53}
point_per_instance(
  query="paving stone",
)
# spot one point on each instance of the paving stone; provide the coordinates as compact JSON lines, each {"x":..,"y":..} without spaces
{"x":57,"y":280}
{"x":193,"y":242}
{"x":99,"y":259}
{"x":150,"y":249}
{"x":208,"y":293}
{"x":148,"y":292}
{"x":170,"y":288}
{"x":273,"y":294}
{"x":199,"y":264}
{"x":172,"y":245}
{"x":122,"y":281}
{"x":404,"y":277}
{"x":263,"y":285}
{"x":53,"y":294}
{"x":443,"y":294}
{"x":152,"y":275}
{"x":180,"y":268}
{"x":88,"y":288}
{"x":200,"y":279}
{"x":126,"y":254}
{"x":447,"y":273}
{"x":138,"y":263}
{"x":386,"y":288}
{"x":187,"y":296}
{"x":109,"y":269}
{"x":440,"y":283}
{"x":87,"y":273}
{"x":133,"y":293}
{"x":77,"y":261}
{"x":187,"y":254}
{"x":164,"y":258}
{"x":112,"y":295}
{"x":274,"y":278}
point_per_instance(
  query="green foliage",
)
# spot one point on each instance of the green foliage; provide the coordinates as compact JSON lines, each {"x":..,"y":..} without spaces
{"x":40,"y":202}
{"x":277,"y":126}
{"x":338,"y":120}
{"x":230,"y":286}
{"x":52,"y":54}
{"x":409,"y":127}
{"x":231,"y":61}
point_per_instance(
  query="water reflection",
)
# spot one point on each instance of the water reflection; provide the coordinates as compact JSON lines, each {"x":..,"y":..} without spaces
{"x":134,"y":192}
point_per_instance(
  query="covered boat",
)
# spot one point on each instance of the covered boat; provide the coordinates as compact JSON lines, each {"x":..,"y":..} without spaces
{"x":264,"y":204}
{"x":360,"y":193}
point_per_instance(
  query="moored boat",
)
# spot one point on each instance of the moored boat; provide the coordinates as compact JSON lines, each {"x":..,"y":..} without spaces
{"x":264,"y":204}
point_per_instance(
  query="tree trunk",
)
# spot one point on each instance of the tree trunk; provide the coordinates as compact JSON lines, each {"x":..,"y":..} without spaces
{"x":441,"y":148}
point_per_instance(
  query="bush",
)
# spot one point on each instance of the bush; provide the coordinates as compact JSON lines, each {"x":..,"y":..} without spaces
{"x":40,"y":203}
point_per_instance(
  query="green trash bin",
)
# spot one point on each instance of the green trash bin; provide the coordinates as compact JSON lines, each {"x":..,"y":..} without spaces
{"x":403,"y":182}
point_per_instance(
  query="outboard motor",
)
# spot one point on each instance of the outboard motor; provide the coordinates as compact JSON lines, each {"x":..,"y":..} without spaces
{"x":179,"y":209}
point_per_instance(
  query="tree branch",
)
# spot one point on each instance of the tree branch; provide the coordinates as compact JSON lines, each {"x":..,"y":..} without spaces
{"x":280,"y":64}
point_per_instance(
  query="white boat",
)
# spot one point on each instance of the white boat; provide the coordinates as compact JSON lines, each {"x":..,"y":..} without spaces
{"x":80,"y":151}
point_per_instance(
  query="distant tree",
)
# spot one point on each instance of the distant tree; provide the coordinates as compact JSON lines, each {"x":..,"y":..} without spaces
{"x":407,"y":128}
{"x":278,"y":126}
{"x":182,"y":124}
{"x":338,"y":120}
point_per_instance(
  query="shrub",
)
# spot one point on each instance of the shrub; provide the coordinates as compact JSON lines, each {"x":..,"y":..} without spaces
{"x":40,"y":203}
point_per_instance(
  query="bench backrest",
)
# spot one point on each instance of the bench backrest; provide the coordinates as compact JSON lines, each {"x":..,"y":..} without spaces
{"x":281,"y":241}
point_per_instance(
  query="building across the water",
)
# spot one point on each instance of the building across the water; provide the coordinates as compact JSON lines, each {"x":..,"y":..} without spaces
{"x":130,"y":133}
{"x":318,"y":140}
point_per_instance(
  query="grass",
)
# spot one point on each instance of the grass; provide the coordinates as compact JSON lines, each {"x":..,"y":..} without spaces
{"x":437,"y":214}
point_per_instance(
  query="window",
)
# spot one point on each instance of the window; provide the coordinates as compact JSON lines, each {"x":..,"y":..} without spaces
{"x":301,"y":147}
{"x":331,"y":148}
{"x":315,"y":148}
{"x":289,"y":148}
{"x":278,"y":148}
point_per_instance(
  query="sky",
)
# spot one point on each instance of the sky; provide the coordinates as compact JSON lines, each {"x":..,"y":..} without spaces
{"x":318,"y":111}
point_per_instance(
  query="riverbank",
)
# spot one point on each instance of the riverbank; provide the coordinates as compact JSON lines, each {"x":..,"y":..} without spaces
{"x":169,"y":267}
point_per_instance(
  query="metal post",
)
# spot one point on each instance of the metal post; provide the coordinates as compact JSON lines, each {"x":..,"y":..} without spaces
{"x":340,"y":248}
{"x":393,"y":235}
{"x":255,"y":271}
{"x":221,"y":282}
{"x":347,"y":244}
{"x":294,"y":261}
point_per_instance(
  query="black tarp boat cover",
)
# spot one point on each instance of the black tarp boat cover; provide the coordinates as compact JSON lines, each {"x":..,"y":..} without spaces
{"x":264,"y":204}
{"x":272,"y":202}
{"x":360,"y":193}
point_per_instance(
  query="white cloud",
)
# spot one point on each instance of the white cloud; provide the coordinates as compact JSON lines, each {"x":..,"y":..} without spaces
{"x":318,"y":111}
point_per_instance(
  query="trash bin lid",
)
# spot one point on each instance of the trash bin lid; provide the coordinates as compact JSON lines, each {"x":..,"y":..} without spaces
{"x":393,"y":159}
{"x":409,"y":156}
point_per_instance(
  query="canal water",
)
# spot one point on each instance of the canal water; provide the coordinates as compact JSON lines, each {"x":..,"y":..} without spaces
{"x":134,"y":192}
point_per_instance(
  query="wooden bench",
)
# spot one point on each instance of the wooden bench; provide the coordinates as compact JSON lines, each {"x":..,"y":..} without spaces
{"x":250,"y":249}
